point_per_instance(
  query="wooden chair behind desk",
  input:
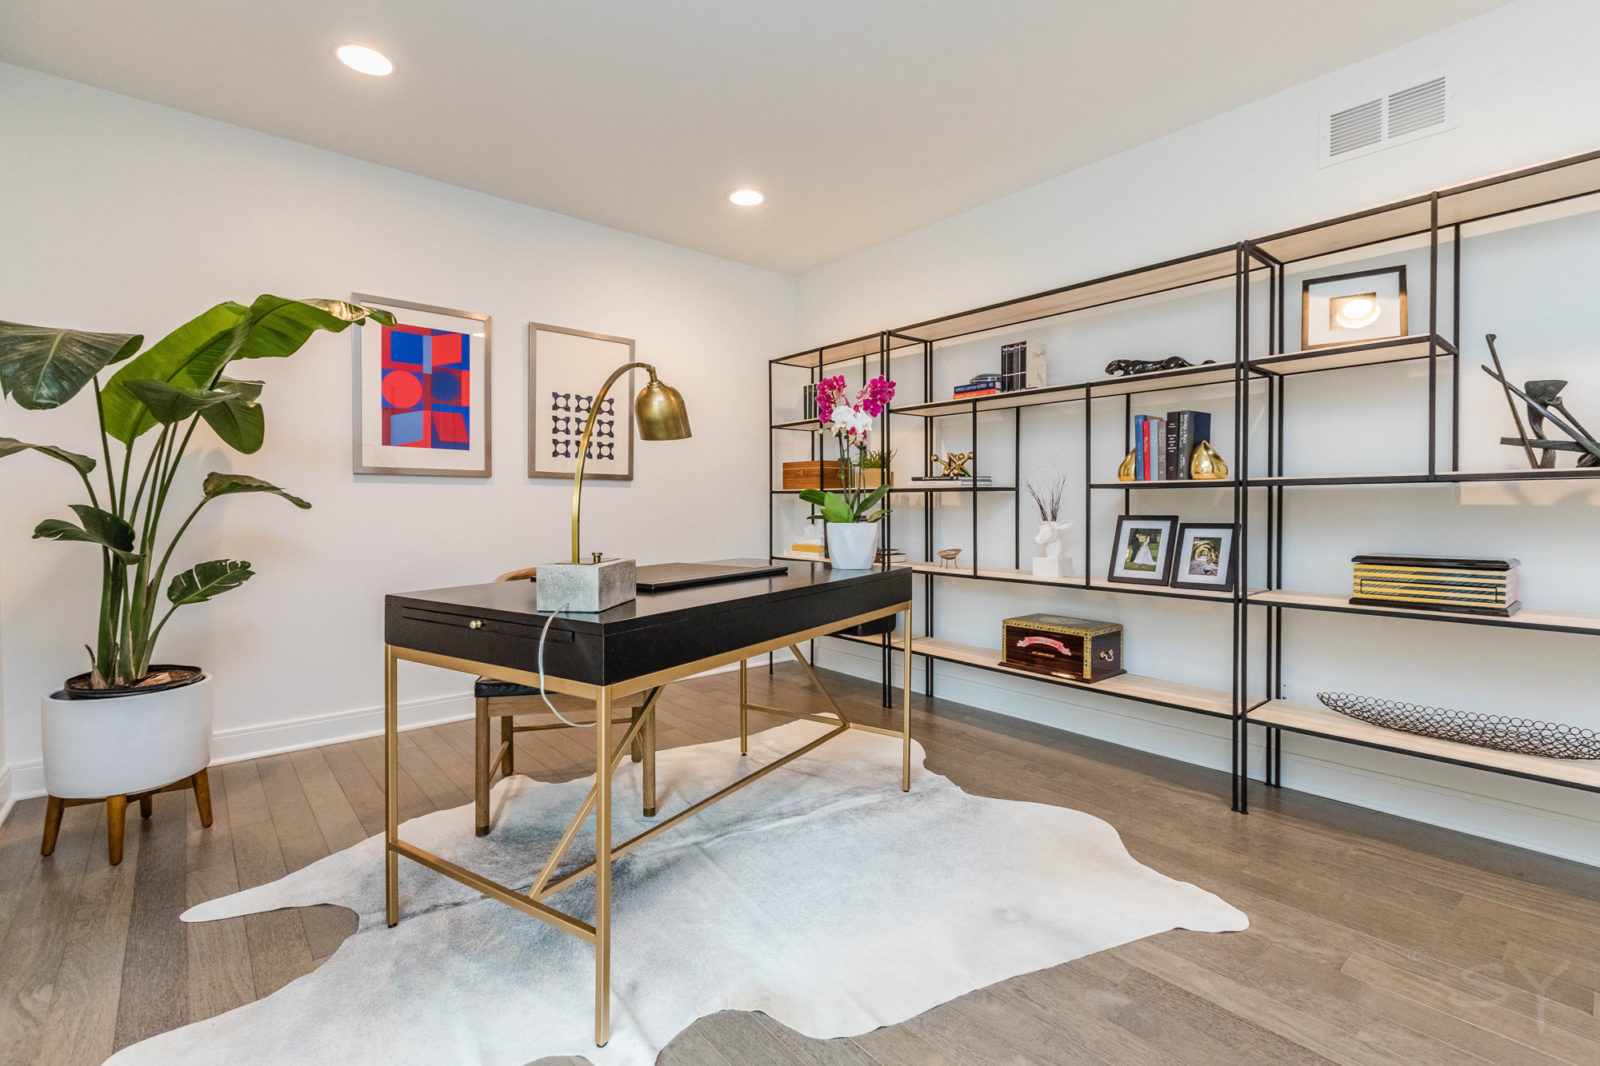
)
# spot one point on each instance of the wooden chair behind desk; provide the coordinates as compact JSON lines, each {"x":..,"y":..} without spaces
{"x":508,"y":701}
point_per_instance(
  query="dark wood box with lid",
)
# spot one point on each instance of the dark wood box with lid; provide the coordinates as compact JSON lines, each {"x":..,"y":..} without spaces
{"x":1076,"y":648}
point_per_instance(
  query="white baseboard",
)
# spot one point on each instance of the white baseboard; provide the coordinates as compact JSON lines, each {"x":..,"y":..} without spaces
{"x":7,"y":801}
{"x":26,"y":780}
{"x":1318,"y":767}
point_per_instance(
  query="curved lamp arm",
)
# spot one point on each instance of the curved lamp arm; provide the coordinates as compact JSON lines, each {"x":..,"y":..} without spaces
{"x":583,"y":445}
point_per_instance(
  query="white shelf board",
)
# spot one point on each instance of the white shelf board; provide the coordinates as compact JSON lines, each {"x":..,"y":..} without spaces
{"x":1320,"y":721}
{"x":1096,"y":584}
{"x":1128,"y":686}
{"x":1340,"y":357}
{"x":1563,"y":621}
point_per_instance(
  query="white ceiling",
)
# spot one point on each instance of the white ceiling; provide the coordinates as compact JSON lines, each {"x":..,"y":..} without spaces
{"x":860,"y":119}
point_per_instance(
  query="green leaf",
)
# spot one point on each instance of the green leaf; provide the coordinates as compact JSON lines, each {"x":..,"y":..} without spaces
{"x":207,"y":580}
{"x":169,"y":403}
{"x":194,"y":354}
{"x":227,"y":484}
{"x":99,"y":527}
{"x":873,"y":497}
{"x":238,"y":419}
{"x":277,"y":326}
{"x":11,"y":446}
{"x":190,"y":356}
{"x":42,"y":368}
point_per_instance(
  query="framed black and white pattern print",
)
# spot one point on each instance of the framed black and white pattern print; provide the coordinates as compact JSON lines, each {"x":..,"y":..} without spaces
{"x":565,"y":369}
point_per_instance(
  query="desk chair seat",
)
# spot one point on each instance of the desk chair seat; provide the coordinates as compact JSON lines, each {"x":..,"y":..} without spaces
{"x":507,"y":701}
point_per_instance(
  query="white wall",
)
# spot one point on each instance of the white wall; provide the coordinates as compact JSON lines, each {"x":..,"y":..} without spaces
{"x":1524,"y":83}
{"x":121,"y":215}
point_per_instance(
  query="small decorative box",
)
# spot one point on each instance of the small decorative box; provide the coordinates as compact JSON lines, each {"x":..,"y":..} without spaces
{"x":812,"y":474}
{"x":1054,"y":644}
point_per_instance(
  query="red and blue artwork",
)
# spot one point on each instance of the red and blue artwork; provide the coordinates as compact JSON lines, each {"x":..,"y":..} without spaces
{"x":426,"y":394}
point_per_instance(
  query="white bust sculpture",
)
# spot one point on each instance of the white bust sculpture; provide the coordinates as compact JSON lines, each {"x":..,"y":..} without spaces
{"x":1050,"y":540}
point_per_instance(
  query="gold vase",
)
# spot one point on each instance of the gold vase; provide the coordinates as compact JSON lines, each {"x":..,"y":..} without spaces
{"x":1125,"y":471}
{"x":1207,"y":465}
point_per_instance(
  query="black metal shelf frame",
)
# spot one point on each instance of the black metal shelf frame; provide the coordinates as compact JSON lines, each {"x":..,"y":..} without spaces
{"x":1254,"y":378}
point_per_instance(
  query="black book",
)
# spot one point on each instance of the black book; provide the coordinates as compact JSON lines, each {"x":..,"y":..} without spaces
{"x":1169,"y":446}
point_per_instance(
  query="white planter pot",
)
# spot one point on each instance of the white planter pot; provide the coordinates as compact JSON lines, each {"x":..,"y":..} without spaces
{"x":122,"y":744}
{"x":851,"y":545}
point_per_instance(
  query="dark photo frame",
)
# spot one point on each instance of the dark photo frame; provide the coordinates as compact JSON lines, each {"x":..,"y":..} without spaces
{"x":1384,"y":288}
{"x":1143,"y":549}
{"x":1206,"y":557}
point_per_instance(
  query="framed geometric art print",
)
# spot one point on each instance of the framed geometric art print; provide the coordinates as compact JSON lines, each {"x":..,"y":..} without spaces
{"x":422,"y":391}
{"x":565,"y":369}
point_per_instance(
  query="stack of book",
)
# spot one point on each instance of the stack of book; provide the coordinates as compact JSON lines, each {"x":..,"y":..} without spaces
{"x":980,"y":385}
{"x":890,"y":556}
{"x":939,"y":479}
{"x":808,"y":402}
{"x":1022,"y":366}
{"x":1432,"y":583}
{"x":809,"y":546}
{"x":1163,"y":447}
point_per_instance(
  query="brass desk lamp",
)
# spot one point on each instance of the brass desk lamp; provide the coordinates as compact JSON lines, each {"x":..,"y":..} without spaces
{"x":597,"y":585}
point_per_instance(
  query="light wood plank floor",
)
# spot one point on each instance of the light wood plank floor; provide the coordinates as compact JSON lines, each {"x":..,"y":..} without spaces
{"x":1373,"y":940}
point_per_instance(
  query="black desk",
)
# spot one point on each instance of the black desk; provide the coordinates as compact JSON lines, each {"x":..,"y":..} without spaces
{"x":632,"y":650}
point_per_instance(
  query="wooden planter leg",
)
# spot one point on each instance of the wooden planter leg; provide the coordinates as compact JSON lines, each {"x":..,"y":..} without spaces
{"x":116,"y":821}
{"x":52,"y":824}
{"x":147,"y":805}
{"x":201,"y":783}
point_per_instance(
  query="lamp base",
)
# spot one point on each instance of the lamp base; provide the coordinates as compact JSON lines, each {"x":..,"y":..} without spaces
{"x":586,"y":587}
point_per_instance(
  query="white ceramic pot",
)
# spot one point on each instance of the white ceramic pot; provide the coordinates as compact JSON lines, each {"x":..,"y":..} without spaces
{"x":122,"y":744}
{"x":851,"y":545}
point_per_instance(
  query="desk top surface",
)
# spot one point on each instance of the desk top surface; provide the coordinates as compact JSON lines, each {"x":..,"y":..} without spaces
{"x":515,"y":601}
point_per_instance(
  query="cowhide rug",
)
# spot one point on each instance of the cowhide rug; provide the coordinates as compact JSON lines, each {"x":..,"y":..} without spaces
{"x":822,"y":895}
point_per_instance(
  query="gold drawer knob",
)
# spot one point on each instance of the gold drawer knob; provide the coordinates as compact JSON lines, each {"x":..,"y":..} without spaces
{"x":476,"y":623}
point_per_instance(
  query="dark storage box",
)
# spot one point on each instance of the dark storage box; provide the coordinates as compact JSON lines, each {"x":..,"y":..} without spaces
{"x":1053,"y":644}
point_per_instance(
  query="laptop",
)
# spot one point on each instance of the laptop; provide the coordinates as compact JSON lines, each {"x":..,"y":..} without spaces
{"x":665,"y":577}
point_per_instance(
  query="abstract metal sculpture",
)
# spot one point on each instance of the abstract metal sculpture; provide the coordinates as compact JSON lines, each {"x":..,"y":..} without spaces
{"x":954,"y":463}
{"x":1543,"y":399}
{"x":1130,"y":367}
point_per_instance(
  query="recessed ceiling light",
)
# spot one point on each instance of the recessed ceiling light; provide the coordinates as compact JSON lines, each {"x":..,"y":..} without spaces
{"x":366,"y":60}
{"x":746,"y":197}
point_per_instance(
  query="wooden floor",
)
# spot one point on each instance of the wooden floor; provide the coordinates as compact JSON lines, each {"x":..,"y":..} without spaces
{"x":1372,"y":940}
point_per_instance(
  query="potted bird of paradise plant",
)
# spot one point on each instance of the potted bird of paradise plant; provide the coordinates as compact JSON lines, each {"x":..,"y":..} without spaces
{"x":851,"y":516}
{"x":130,"y":725}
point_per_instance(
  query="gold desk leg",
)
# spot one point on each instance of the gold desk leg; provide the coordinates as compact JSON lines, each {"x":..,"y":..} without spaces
{"x":744,"y":707}
{"x":602,"y":869}
{"x":647,"y":785}
{"x":391,"y":787}
{"x":905,"y":695}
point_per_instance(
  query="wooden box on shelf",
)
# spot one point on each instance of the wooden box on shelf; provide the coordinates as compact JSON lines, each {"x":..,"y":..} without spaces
{"x":812,"y":474}
{"x":1077,"y":648}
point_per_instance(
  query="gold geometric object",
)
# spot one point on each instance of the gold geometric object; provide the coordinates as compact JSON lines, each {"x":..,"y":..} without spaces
{"x":955,"y":463}
{"x":1125,"y":471}
{"x":662,"y":416}
{"x":1207,"y":465}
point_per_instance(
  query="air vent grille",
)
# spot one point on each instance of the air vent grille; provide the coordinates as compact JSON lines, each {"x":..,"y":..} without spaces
{"x":1416,"y":108}
{"x":1355,"y":130}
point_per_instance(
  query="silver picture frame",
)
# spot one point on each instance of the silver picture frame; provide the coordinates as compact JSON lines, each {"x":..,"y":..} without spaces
{"x":359,"y":463}
{"x":542,"y":465}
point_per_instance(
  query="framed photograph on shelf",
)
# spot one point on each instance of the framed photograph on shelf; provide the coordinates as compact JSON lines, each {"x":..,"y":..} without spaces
{"x":421,"y":391}
{"x":1142,"y":552}
{"x":1369,"y":305}
{"x":566,"y":367}
{"x":1205,"y":559}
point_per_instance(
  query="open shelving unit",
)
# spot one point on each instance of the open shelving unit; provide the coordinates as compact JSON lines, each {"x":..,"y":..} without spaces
{"x":1256,"y":372}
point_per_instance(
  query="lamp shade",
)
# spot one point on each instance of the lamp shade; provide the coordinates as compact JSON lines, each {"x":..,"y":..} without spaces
{"x":662,"y":414}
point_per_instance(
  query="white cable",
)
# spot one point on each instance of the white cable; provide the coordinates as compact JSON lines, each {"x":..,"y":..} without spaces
{"x":542,"y":695}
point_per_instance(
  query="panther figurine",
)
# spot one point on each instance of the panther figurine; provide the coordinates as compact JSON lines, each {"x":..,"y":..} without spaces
{"x":1130,"y":367}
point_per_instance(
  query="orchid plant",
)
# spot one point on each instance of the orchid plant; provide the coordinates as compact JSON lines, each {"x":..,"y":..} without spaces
{"x":850,"y":422}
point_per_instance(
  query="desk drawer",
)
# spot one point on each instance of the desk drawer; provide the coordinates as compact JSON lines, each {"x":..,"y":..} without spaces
{"x":494,"y":641}
{"x":475,"y":623}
